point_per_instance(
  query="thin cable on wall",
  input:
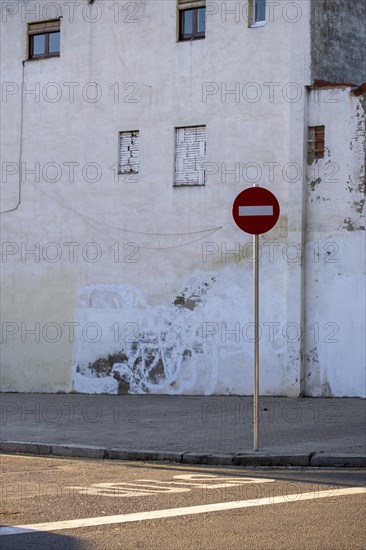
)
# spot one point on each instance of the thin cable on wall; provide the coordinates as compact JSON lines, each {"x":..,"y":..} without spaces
{"x":116,"y":227}
{"x":207,"y":234}
{"x":214,"y":230}
{"x":20,"y":149}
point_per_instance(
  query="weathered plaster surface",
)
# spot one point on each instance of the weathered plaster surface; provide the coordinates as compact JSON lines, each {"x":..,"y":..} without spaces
{"x":338,"y":40}
{"x":36,"y":350}
{"x":335,"y":260}
{"x":160,"y":284}
{"x":147,"y":215}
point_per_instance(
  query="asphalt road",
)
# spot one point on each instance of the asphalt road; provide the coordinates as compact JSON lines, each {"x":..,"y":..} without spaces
{"x":111,"y":504}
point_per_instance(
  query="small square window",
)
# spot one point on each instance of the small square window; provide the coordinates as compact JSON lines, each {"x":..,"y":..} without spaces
{"x":316,"y":143}
{"x":129,"y":152}
{"x":192,"y":23}
{"x":190,"y":156}
{"x":44,"y":39}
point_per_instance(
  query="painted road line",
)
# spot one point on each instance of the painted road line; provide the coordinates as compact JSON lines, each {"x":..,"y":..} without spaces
{"x":175,"y":512}
{"x":256,"y":210}
{"x":148,"y":487}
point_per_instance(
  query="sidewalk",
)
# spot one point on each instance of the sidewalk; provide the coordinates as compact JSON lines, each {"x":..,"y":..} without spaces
{"x":196,"y":430}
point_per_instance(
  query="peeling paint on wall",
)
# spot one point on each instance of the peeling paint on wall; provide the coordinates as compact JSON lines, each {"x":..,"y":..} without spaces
{"x":335,"y":221}
{"x":314,"y":183}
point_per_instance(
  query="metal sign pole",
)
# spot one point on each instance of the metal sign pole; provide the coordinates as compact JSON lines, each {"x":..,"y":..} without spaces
{"x":256,"y":344}
{"x":256,"y":210}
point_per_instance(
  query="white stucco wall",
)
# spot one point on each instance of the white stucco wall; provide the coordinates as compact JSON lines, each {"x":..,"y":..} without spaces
{"x":172,"y":290}
{"x":335,"y":291}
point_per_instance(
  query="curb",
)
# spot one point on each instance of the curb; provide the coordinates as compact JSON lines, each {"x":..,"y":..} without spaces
{"x":318,"y":460}
{"x":334,"y":461}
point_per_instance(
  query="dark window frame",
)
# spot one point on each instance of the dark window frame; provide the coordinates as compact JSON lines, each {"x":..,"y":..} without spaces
{"x":195,"y":35}
{"x":47,"y":52}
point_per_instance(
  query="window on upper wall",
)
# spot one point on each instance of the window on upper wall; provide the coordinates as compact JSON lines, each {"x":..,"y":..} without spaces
{"x":190,"y":156}
{"x":257,"y":13}
{"x":192,"y":19}
{"x":44,"y":39}
{"x":316,"y":143}
{"x":129,"y":152}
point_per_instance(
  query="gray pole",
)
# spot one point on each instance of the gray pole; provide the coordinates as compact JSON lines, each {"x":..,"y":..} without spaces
{"x":256,"y":344}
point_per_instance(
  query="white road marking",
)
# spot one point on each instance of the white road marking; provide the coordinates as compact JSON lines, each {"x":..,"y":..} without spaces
{"x":255,"y":210}
{"x":223,"y":479}
{"x":148,"y":487}
{"x":124,"y":489}
{"x":175,"y":512}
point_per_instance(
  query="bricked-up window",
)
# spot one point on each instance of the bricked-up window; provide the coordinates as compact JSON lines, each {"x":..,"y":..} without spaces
{"x":129,"y":152}
{"x":190,"y":156}
{"x":257,"y":13}
{"x":44,"y":39}
{"x":192,"y":19}
{"x":316,"y":143}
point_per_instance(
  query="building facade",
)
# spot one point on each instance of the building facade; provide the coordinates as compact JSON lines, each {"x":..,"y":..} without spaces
{"x":128,"y":130}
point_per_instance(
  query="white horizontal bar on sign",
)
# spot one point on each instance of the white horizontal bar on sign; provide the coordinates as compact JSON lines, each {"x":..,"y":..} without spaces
{"x":255,"y":210}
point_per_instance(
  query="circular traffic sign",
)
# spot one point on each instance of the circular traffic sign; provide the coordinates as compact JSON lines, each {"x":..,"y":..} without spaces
{"x":256,"y":210}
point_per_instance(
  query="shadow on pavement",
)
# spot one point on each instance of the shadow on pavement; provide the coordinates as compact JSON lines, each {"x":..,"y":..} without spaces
{"x":38,"y":541}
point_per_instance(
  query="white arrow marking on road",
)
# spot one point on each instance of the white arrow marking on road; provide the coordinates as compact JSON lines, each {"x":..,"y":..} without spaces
{"x":175,"y":512}
{"x":255,"y":210}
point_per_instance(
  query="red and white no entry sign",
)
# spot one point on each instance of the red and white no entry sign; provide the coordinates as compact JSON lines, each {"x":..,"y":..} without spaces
{"x":256,"y":210}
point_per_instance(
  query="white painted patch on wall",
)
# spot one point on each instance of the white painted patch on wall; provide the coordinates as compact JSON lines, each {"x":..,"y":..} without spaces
{"x":198,"y":345}
{"x":138,"y":348}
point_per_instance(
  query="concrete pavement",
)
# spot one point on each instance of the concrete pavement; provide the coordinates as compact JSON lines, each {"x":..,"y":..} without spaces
{"x":187,"y":429}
